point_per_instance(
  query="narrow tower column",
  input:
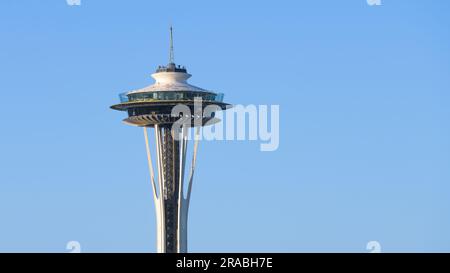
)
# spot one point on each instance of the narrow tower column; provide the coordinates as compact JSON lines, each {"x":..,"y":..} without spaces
{"x":171,"y":204}
{"x":170,"y":153}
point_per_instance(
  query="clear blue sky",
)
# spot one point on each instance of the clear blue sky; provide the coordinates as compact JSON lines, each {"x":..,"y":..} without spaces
{"x":364,"y":96}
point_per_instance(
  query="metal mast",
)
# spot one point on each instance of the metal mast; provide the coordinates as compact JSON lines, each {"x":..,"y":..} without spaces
{"x":171,"y":55}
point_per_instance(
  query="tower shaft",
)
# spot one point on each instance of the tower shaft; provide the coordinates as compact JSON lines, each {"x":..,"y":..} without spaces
{"x":171,"y":157}
{"x":170,"y":202}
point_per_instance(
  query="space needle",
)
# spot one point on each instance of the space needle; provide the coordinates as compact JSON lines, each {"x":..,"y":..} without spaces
{"x":152,"y":107}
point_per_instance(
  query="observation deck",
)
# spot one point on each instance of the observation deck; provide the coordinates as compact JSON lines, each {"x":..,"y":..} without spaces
{"x":153,"y":104}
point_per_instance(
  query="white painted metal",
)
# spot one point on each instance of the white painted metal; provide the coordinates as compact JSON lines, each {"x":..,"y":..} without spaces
{"x":150,"y":166}
{"x":160,"y":215}
{"x":194,"y":159}
{"x":170,"y":81}
{"x":184,"y":201}
{"x":182,"y":215}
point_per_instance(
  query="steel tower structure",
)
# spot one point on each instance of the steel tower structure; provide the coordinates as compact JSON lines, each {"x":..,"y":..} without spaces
{"x":151,"y":107}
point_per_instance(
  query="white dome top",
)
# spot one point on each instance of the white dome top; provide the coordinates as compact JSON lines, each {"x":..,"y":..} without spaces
{"x":170,"y":81}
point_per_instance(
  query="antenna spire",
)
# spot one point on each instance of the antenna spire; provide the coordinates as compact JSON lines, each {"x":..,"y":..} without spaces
{"x":171,"y":55}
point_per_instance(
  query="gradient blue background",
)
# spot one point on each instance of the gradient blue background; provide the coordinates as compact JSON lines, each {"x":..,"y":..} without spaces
{"x":364,"y":141}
